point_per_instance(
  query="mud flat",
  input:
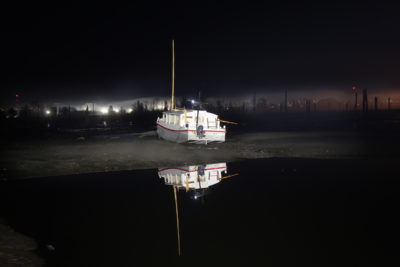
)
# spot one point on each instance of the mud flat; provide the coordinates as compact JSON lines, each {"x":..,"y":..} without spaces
{"x":143,"y":151}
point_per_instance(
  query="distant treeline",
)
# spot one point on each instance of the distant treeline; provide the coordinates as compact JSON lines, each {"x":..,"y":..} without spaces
{"x":30,"y":120}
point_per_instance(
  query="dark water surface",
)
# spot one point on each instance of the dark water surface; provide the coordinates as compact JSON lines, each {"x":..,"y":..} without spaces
{"x":277,"y":212}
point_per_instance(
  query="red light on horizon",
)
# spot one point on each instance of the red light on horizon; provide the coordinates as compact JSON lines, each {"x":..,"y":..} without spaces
{"x":16,"y":95}
{"x":354,"y":88}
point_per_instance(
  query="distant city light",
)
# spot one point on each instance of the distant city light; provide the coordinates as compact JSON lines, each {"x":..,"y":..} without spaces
{"x":116,"y":110}
{"x":129,"y":110}
{"x":48,"y":112}
{"x":104,"y":110}
{"x":192,"y":101}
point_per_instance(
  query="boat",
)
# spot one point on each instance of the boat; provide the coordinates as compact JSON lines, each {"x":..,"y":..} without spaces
{"x":196,"y":126}
{"x":182,"y":125}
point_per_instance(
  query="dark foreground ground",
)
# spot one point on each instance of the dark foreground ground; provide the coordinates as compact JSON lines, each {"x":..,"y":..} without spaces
{"x":277,"y":212}
{"x":17,"y":249}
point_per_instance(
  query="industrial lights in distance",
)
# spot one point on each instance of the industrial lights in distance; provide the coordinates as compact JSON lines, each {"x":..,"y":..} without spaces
{"x":47,"y":112}
{"x":104,"y":111}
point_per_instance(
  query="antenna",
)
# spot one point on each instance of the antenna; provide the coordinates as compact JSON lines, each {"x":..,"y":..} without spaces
{"x":173,"y":75}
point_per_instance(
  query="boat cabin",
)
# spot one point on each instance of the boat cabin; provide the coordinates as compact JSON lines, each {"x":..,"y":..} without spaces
{"x":191,"y":119}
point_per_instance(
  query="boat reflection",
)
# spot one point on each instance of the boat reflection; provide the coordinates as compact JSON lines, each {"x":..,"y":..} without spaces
{"x":194,"y":179}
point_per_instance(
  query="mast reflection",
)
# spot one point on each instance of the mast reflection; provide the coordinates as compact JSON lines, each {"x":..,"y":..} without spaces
{"x":195,"y":179}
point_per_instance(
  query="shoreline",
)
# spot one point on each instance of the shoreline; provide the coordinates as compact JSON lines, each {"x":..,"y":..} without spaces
{"x":17,"y":249}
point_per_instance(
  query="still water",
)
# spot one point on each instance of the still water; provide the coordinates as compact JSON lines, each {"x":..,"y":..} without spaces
{"x":273,"y":212}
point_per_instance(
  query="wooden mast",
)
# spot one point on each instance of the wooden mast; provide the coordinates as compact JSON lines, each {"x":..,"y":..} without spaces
{"x":173,"y":76}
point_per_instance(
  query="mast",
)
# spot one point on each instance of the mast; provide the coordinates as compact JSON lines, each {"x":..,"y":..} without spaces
{"x":173,"y":76}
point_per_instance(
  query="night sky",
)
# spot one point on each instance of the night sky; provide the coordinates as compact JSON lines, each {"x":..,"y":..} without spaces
{"x":97,"y":52}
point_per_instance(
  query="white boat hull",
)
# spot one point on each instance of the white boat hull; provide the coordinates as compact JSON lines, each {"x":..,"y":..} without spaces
{"x":179,"y":134}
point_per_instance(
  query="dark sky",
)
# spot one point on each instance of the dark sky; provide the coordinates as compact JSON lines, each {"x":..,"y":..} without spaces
{"x":115,"y":52}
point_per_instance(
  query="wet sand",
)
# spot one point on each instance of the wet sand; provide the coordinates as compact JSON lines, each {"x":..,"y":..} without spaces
{"x":143,"y":151}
